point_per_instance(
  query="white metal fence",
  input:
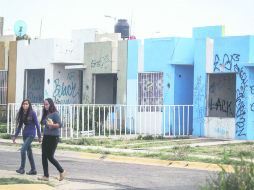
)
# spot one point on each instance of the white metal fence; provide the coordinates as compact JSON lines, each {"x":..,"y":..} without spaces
{"x":82,"y":120}
{"x":3,"y":87}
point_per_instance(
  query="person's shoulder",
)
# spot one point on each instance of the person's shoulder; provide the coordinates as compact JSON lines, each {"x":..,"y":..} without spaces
{"x":33,"y":112}
{"x":56,"y":113}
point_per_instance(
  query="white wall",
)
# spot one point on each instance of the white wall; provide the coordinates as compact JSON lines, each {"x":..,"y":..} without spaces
{"x":36,"y":55}
{"x":79,"y":37}
{"x":217,"y":127}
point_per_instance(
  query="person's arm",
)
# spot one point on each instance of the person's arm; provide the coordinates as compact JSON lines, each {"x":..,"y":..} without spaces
{"x":18,"y":129}
{"x":37,"y":126}
{"x":56,"y":122}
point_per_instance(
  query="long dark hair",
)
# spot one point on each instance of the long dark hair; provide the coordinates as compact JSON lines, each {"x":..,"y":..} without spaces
{"x":20,"y":115}
{"x":52,"y":109}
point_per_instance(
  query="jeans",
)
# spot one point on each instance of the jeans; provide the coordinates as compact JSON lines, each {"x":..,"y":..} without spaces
{"x":49,"y":144}
{"x":26,"y":148}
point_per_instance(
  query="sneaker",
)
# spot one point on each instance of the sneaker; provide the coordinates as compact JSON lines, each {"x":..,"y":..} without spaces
{"x":43,"y":178}
{"x":20,"y":171}
{"x":62,"y":175}
{"x":32,"y":172}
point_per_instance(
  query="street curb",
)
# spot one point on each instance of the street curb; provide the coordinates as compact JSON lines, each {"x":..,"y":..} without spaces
{"x":156,"y":162}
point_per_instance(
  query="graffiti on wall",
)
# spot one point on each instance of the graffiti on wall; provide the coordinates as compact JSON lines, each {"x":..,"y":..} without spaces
{"x":226,"y":63}
{"x":67,"y":87}
{"x":230,"y":62}
{"x":101,"y":62}
{"x":252,"y":94}
{"x":199,"y":94}
{"x":221,"y":105}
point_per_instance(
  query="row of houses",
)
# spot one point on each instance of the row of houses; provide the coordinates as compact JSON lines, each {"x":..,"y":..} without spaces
{"x":210,"y":71}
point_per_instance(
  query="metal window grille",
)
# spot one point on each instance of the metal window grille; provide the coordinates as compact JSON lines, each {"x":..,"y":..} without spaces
{"x":3,"y":87}
{"x":150,"y":89}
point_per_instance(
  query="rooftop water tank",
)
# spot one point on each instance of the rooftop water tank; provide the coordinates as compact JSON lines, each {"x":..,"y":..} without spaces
{"x":122,"y":27}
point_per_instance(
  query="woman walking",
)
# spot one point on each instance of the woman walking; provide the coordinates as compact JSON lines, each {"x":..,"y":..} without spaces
{"x":52,"y":122}
{"x":28,"y":117}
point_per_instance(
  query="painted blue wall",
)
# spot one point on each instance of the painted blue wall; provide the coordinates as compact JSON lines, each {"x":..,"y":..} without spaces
{"x":184,"y":96}
{"x":157,"y":55}
{"x":227,"y":50}
{"x":250,"y":114}
{"x":199,"y":90}
{"x":173,"y":57}
{"x":183,"y":51}
{"x":183,"y":85}
{"x":208,"y":31}
{"x":231,"y":54}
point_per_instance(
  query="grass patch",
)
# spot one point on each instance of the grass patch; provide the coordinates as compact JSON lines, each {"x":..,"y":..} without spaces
{"x":241,"y":178}
{"x":5,"y":136}
{"x":144,"y":142}
{"x":12,"y":180}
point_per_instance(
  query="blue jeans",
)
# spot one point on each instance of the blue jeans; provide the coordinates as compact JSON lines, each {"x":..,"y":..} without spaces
{"x":26,"y":147}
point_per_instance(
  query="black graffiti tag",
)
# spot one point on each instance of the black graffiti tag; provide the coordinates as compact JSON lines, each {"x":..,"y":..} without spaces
{"x":227,"y":62}
{"x":230,"y":63}
{"x":222,"y":106}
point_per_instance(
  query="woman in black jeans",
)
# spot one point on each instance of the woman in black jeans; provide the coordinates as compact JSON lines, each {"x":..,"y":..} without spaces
{"x":52,"y":122}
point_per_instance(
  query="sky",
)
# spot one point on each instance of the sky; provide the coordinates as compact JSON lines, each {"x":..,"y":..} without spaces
{"x":147,"y":18}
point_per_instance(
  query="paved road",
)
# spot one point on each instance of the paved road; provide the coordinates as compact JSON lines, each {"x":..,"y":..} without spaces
{"x":112,"y":174}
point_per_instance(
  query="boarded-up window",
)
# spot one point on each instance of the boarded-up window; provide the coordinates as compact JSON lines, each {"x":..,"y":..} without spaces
{"x":3,"y":87}
{"x":221,"y":95}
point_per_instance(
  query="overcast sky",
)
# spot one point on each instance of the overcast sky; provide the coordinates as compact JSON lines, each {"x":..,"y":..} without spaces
{"x":147,"y":18}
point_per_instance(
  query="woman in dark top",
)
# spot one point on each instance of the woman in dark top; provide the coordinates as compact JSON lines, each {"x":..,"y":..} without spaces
{"x":52,"y":122}
{"x":28,"y":117}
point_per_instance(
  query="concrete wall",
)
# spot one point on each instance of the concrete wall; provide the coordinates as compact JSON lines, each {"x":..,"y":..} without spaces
{"x":208,"y":32}
{"x":250,"y":104}
{"x":38,"y":54}
{"x":132,"y":72}
{"x":52,"y":55}
{"x":66,"y":85}
{"x":6,"y":39}
{"x":12,"y":72}
{"x":199,"y":90}
{"x":79,"y":37}
{"x":230,"y":55}
{"x":122,"y":72}
{"x":98,"y":60}
{"x":231,"y":112}
{"x":161,"y":55}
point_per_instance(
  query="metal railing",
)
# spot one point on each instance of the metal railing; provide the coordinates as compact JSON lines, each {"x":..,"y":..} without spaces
{"x":3,"y":87}
{"x":88,"y":120}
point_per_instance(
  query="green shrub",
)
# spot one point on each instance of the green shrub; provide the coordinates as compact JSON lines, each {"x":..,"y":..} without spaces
{"x":241,"y":178}
{"x":3,"y":128}
{"x":5,"y":136}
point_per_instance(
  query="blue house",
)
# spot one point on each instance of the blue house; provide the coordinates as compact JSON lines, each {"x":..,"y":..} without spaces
{"x":223,"y":85}
{"x":160,"y":72}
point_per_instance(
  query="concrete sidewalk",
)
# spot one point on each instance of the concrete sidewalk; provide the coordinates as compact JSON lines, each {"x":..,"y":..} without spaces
{"x":53,"y":183}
